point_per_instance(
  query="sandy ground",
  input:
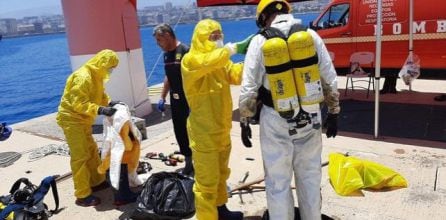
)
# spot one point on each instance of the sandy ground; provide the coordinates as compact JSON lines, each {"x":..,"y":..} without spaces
{"x":421,"y":162}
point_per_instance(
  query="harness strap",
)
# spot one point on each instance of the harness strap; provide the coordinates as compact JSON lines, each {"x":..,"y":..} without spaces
{"x":305,"y":62}
{"x":17,"y":183}
{"x":278,"y":68}
{"x":43,"y":189}
{"x":10,"y":208}
{"x":265,"y":96}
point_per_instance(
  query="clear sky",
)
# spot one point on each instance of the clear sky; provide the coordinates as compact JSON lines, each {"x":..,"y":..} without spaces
{"x":22,"y":8}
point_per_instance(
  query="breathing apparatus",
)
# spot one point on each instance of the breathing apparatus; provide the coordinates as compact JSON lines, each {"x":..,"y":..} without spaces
{"x":291,"y":65}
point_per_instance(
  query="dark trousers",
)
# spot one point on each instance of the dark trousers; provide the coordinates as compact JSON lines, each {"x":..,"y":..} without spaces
{"x":180,"y":112}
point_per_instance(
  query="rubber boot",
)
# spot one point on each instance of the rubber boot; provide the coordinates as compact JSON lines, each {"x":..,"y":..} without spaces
{"x":392,"y":83}
{"x":386,"y":86}
{"x":188,"y":167}
{"x":123,"y":195}
{"x":225,"y":214}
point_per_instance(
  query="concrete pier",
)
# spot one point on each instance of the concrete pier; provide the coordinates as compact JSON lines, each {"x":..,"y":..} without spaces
{"x":412,"y":142}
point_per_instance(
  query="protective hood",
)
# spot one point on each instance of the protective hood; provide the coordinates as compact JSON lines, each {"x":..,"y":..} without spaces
{"x":283,"y":22}
{"x":102,"y":62}
{"x":84,"y":90}
{"x":204,"y":57}
{"x":200,"y":38}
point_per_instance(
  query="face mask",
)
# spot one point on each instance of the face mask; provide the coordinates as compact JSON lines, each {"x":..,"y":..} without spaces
{"x":219,"y":43}
{"x":283,"y":17}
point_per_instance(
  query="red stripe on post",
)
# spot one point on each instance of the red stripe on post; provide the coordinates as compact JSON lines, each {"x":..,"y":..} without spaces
{"x":95,"y":25}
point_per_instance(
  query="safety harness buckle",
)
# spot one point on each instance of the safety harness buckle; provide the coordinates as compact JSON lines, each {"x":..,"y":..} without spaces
{"x":301,"y":120}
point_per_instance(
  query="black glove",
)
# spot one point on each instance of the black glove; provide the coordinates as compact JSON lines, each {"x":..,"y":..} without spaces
{"x":331,"y":123}
{"x":108,"y":111}
{"x":246,"y":133}
{"x":112,"y":103}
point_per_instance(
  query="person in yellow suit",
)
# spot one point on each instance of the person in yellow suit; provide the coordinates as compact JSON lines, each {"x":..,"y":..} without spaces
{"x":83,"y":99}
{"x":207,"y":74}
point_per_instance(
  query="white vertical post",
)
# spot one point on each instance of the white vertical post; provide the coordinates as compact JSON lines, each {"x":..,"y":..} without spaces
{"x":410,"y":35}
{"x":377,"y":65}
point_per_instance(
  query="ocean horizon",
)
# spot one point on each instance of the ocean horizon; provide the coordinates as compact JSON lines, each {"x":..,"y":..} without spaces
{"x":34,"y":69}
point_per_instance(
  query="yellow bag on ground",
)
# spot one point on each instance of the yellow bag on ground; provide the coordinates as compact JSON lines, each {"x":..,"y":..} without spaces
{"x":349,"y":174}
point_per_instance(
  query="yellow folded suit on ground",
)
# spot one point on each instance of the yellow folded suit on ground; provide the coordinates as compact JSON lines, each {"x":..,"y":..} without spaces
{"x":348,"y":175}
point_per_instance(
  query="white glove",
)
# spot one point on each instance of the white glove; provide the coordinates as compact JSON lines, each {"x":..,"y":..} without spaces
{"x":232,"y":48}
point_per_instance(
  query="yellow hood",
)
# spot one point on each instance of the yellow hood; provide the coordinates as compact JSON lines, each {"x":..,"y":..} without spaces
{"x":200,"y":38}
{"x":102,"y":62}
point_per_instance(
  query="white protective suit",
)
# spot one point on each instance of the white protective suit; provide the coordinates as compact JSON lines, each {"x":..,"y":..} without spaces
{"x":118,"y":148}
{"x":283,"y":154}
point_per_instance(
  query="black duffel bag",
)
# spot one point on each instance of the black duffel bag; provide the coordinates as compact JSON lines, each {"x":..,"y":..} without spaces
{"x":166,"y":196}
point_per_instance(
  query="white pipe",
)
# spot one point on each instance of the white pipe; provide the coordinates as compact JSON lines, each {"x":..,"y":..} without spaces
{"x":410,"y":35}
{"x":410,"y":26}
{"x":377,"y":65}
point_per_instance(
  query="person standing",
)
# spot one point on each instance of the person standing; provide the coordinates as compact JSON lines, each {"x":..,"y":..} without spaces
{"x":290,"y":127}
{"x":208,"y":73}
{"x":174,"y":52}
{"x":83,"y":99}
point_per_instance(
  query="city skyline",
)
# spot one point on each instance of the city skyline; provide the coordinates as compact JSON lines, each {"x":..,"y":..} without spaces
{"x":22,"y":8}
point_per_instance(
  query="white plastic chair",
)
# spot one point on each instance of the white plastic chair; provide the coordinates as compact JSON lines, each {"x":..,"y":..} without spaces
{"x":362,"y":65}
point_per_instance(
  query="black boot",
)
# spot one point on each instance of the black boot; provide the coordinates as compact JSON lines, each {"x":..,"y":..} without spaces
{"x":225,"y":214}
{"x":188,"y":167}
{"x":392,"y":83}
{"x":123,"y":195}
{"x":386,"y":86}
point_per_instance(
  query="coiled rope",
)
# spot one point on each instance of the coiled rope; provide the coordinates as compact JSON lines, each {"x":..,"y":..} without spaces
{"x":8,"y":158}
{"x":39,"y":153}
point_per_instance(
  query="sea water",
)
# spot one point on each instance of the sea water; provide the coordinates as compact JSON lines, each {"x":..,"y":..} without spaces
{"x":33,"y":69}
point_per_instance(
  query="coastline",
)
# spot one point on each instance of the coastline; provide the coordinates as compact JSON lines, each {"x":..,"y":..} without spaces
{"x":152,"y":25}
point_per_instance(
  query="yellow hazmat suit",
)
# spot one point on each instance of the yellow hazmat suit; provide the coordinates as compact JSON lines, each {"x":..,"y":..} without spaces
{"x":83,"y":95}
{"x":207,"y":73}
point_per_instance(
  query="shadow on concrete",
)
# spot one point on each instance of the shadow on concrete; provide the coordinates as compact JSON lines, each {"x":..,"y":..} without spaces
{"x":396,"y":120}
{"x":156,"y":117}
{"x":405,"y":118}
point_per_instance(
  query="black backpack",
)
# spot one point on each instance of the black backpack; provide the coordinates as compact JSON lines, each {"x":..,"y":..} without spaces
{"x":166,"y":196}
{"x":27,"y":203}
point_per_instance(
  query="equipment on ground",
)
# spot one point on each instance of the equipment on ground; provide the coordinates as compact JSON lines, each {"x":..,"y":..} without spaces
{"x":27,"y":202}
{"x":252,"y":184}
{"x":5,"y":131}
{"x":166,"y":195}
